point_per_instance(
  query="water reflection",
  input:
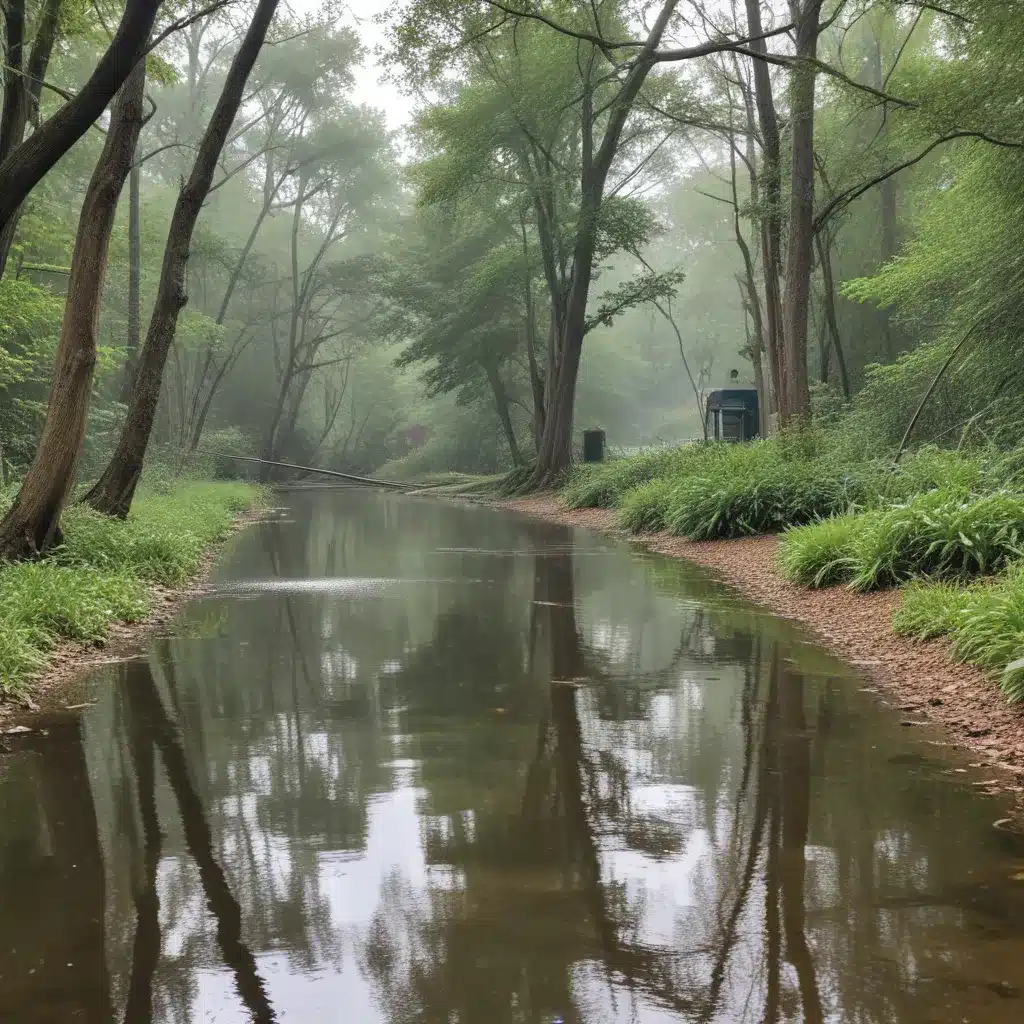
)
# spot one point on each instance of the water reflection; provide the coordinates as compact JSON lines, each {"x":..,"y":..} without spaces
{"x":534,"y":777}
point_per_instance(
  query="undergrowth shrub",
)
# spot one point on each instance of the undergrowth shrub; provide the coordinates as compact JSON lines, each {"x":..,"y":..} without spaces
{"x":819,"y":554}
{"x":763,"y":497}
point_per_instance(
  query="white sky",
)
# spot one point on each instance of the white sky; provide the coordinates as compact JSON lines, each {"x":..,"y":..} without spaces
{"x":370,"y":87}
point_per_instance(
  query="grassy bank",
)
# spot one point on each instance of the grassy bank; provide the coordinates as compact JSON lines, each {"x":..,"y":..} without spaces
{"x":946,"y":525}
{"x":105,"y":570}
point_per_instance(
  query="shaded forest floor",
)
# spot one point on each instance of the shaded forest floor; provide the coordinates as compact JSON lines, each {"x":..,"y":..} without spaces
{"x":918,"y":677}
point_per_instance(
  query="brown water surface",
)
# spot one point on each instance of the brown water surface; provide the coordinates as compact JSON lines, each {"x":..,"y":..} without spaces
{"x":419,"y":762}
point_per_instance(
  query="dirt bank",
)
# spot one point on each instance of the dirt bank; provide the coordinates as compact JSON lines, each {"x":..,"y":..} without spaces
{"x":62,"y":685}
{"x":918,"y":678}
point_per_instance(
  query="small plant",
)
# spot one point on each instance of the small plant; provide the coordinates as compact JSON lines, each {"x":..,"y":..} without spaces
{"x":930,"y":610}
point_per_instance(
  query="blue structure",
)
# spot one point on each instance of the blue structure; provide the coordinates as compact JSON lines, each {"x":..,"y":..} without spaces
{"x":733,"y":414}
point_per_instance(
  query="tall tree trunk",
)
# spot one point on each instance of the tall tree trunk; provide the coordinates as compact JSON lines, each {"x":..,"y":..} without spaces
{"x":825,"y":259}
{"x":771,"y":221}
{"x":131,"y":348}
{"x":113,"y":492}
{"x":795,"y":400}
{"x":555,"y":453}
{"x":22,"y":88}
{"x":32,"y":524}
{"x":501,"y":406}
{"x":886,"y":192}
{"x":23,"y":168}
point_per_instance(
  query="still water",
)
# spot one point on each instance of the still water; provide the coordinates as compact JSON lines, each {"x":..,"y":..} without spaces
{"x":419,"y":762}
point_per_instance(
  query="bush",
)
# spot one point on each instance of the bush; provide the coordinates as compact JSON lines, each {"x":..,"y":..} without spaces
{"x":985,"y":624}
{"x":101,"y":573}
{"x":938,"y":534}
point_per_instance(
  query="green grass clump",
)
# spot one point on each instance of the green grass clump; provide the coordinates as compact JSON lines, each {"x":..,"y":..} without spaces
{"x":984,"y":622}
{"x":819,"y":554}
{"x":931,"y":609}
{"x":642,"y":509}
{"x":602,"y":485}
{"x":940,"y":534}
{"x":102,"y":573}
{"x":763,"y":497}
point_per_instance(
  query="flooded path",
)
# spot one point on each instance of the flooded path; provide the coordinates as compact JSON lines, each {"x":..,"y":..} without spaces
{"x":420,"y":762}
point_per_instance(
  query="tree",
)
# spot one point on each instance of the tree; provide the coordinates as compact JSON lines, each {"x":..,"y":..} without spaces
{"x":113,"y":492}
{"x":23,"y":86}
{"x":611,"y":74}
{"x":33,"y":522}
{"x":24,"y":165}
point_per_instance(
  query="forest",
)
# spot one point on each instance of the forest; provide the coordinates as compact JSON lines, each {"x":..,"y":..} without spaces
{"x":218,"y":241}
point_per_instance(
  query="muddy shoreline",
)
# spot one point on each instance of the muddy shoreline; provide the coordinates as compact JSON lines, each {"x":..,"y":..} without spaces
{"x":919,"y":679}
{"x":61,"y":686}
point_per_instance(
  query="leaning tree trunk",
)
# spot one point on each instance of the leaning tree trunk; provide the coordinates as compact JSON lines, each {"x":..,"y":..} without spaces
{"x":24,"y":167}
{"x":113,"y":492}
{"x":501,"y":407}
{"x":32,"y":524}
{"x":795,"y":400}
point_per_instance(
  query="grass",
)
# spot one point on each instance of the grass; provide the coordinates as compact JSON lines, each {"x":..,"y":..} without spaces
{"x":984,"y":623}
{"x":602,"y":485}
{"x":103,"y":572}
{"x":940,"y":534}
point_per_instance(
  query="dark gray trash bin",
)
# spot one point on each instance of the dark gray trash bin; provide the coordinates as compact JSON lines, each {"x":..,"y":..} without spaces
{"x":593,"y":446}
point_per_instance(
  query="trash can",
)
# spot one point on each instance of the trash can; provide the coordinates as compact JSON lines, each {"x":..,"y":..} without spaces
{"x":593,"y":446}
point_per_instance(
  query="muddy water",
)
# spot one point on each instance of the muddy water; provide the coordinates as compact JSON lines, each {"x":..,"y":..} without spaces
{"x":421,"y":762}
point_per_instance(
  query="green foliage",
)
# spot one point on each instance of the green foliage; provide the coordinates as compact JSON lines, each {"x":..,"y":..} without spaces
{"x":765,"y":495}
{"x":941,"y":534}
{"x":818,"y":554}
{"x":602,"y":485}
{"x":102,"y":573}
{"x":643,"y":509}
{"x":984,"y":623}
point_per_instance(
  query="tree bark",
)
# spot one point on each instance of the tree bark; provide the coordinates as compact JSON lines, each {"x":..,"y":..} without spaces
{"x":32,"y":524}
{"x":23,"y":168}
{"x":131,"y":348}
{"x":771,"y":221}
{"x":113,"y":492}
{"x":22,"y":91}
{"x":501,"y":406}
{"x":795,"y":401}
{"x":825,"y":259}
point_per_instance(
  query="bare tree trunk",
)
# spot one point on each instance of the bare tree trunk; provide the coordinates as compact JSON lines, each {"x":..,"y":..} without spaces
{"x":32,"y":524}
{"x":131,"y":348}
{"x":825,"y":259}
{"x":771,"y":222}
{"x":22,"y":87}
{"x":501,"y":406}
{"x":23,"y":168}
{"x":795,"y":401}
{"x":113,"y":492}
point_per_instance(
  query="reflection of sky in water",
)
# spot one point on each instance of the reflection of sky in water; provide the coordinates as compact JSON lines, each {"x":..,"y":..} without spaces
{"x":392,"y":788}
